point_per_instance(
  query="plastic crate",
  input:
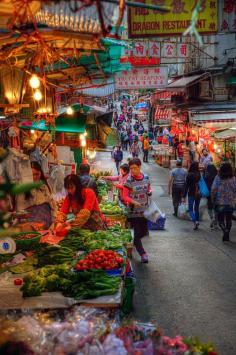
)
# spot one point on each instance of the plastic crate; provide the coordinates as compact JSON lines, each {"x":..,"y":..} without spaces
{"x":159,"y":225}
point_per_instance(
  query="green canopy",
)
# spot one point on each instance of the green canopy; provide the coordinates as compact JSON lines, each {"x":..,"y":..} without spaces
{"x":63,"y":124}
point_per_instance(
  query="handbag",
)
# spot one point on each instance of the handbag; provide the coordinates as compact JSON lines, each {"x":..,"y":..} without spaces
{"x":203,"y":189}
{"x":182,"y":211}
{"x":152,"y":213}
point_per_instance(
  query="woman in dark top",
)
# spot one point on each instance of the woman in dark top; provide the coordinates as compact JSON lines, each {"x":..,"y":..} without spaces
{"x":192,"y":190}
{"x":209,"y":176}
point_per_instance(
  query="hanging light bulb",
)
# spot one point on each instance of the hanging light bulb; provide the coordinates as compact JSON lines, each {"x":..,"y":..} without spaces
{"x":83,"y":143}
{"x":69,"y":111}
{"x":81,"y":137}
{"x":85,"y":134}
{"x":38,"y":95}
{"x":32,"y":131}
{"x":34,"y":82}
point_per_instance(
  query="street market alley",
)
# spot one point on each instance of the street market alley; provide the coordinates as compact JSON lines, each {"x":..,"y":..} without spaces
{"x":189,"y":285}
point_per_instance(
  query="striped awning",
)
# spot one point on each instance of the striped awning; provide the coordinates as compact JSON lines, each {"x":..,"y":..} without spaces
{"x":162,"y":113}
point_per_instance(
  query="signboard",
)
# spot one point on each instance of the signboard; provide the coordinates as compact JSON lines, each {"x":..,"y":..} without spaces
{"x":227,"y":16}
{"x":142,"y":78}
{"x":144,"y":53}
{"x":146,"y":22}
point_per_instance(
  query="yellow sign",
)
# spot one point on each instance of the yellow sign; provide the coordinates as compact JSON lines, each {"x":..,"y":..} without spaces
{"x":151,"y":23}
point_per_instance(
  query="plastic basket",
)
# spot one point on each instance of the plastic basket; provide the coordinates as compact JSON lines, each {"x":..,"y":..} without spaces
{"x":26,"y":244}
{"x":159,"y":225}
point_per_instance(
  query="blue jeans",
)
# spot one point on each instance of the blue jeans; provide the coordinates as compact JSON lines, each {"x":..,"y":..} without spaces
{"x":193,"y":207}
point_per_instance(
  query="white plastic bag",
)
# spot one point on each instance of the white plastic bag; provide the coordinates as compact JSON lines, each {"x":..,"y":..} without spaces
{"x":152,"y":213}
{"x":182,"y":211}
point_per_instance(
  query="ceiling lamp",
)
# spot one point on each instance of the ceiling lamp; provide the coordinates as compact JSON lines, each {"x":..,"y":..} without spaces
{"x":38,"y":95}
{"x":69,"y":111}
{"x":34,"y":82}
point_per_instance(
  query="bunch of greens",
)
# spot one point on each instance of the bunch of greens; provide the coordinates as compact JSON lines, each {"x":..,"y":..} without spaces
{"x":82,"y":285}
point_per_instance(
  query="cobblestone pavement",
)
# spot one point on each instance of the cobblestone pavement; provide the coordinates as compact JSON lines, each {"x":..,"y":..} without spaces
{"x":189,"y":285}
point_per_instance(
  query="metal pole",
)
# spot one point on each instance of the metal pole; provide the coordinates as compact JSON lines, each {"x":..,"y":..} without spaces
{"x":140,"y":5}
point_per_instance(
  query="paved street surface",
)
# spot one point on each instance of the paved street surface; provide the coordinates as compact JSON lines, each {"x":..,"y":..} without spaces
{"x":189,"y":285}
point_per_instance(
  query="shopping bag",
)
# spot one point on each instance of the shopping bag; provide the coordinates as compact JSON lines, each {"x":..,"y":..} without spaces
{"x":203,"y":189}
{"x":182,"y":211}
{"x":152,"y":213}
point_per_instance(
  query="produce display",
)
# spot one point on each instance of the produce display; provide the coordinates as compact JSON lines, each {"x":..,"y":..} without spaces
{"x":102,"y":188}
{"x":98,"y":174}
{"x":87,"y":284}
{"x":100,"y":259}
{"x":113,"y":238}
{"x":111,"y":208}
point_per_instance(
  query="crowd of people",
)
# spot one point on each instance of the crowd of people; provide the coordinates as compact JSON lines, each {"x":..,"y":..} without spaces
{"x":204,"y":180}
{"x":184,"y":185}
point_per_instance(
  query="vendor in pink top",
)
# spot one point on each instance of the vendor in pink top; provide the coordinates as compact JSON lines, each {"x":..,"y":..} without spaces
{"x":120,"y":180}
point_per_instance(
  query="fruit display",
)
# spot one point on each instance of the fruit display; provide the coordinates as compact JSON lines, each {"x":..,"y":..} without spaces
{"x":100,"y":259}
{"x":111,"y":208}
{"x":98,"y":174}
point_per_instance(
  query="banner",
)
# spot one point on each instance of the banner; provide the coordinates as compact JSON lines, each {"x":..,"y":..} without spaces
{"x":145,"y":22}
{"x":144,"y":53}
{"x":227,"y":16}
{"x":142,"y":78}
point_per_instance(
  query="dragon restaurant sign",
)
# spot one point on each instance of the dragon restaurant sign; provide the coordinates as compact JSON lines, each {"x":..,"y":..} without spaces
{"x":142,"y":78}
{"x":146,"y":22}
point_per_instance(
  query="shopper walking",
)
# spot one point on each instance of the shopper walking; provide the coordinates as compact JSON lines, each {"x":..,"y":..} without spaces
{"x":180,"y":150}
{"x":146,"y":147}
{"x":177,"y":184}
{"x":209,"y":175}
{"x":192,"y":151}
{"x":118,"y":157}
{"x":205,"y":158}
{"x":136,"y":194}
{"x":192,"y":191}
{"x":223,"y":194}
{"x":135,"y":149}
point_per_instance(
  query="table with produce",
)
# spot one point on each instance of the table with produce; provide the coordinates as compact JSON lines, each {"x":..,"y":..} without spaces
{"x":47,"y":271}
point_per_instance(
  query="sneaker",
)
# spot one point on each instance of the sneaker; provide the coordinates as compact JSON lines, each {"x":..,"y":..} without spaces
{"x":144,"y":258}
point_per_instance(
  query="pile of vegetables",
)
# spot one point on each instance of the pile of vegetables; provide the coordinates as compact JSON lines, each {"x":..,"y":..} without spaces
{"x":87,"y":284}
{"x":54,"y":254}
{"x":102,"y":188}
{"x":113,"y":238}
{"x":98,"y":174}
{"x":111,"y":208}
{"x":100,"y":259}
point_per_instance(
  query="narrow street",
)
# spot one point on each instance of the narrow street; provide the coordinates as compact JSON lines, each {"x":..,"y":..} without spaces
{"x":189,"y":285}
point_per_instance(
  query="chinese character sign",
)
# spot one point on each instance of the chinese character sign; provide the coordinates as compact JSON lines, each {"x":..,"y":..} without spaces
{"x":227,"y":16}
{"x":146,"y":49}
{"x":146,"y":22}
{"x":168,"y":50}
{"x":142,"y":78}
{"x":182,"y":50}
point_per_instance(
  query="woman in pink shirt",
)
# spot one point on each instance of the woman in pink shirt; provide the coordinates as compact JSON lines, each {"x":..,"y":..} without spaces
{"x":120,"y":180}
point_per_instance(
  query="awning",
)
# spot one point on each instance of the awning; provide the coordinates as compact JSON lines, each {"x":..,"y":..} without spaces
{"x":66,"y":125}
{"x":181,"y":84}
{"x":214,"y":117}
{"x":102,"y":91}
{"x":226,"y":134}
{"x":162,"y":113}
